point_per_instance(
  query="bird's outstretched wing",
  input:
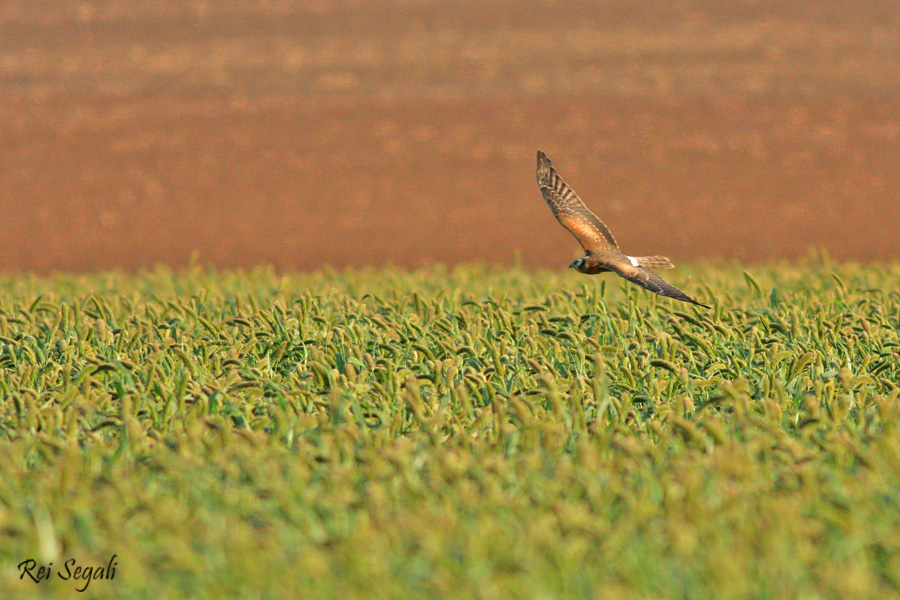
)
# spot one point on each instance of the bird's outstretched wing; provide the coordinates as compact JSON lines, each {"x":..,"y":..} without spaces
{"x":652,"y":281}
{"x":569,"y":210}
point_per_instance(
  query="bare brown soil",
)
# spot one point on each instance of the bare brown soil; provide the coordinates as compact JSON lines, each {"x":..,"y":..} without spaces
{"x":310,"y":133}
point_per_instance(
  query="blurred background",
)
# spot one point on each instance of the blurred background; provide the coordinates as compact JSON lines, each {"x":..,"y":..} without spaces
{"x":306,"y":133}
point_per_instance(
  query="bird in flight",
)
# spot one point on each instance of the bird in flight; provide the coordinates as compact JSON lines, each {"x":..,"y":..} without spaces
{"x":602,"y":251}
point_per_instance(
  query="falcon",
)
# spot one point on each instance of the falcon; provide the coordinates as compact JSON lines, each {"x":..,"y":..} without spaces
{"x":601,"y":250}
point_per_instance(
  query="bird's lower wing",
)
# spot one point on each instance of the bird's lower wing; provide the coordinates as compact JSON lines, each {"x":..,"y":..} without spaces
{"x":652,"y":281}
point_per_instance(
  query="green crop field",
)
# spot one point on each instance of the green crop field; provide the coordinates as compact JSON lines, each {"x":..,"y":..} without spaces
{"x":471,"y":432}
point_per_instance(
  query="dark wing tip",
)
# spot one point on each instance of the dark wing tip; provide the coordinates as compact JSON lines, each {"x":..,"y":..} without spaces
{"x":701,"y":304}
{"x":683,"y":297}
{"x":674,"y":292}
{"x":653,"y":281}
{"x":543,"y":167}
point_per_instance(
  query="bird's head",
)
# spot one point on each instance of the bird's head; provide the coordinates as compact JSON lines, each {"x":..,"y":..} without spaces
{"x":577,"y":264}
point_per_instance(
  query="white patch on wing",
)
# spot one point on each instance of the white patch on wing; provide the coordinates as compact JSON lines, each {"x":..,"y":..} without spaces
{"x":633,"y":260}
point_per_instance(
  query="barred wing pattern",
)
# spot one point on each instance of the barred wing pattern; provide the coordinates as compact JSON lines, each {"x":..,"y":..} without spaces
{"x":571,"y":212}
{"x":602,"y":251}
{"x":652,"y":281}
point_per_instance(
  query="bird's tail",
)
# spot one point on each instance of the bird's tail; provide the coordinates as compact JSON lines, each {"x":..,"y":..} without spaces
{"x":654,"y":262}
